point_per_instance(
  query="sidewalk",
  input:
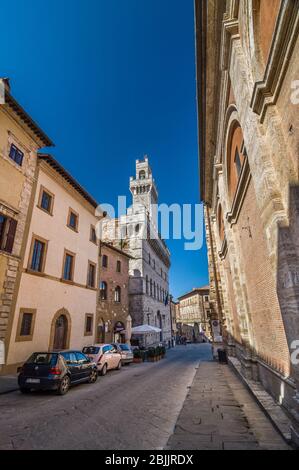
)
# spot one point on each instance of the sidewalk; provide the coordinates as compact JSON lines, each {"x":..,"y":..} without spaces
{"x":8,"y":384}
{"x":274,"y":412}
{"x":220,"y":414}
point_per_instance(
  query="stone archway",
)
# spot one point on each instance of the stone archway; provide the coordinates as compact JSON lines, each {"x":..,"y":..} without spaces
{"x":60,"y":330}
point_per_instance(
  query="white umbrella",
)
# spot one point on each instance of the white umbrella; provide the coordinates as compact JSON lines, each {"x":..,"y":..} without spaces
{"x":144,"y":329}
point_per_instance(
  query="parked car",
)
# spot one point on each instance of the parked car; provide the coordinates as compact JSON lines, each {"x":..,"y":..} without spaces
{"x":56,"y":371}
{"x":126,"y":352}
{"x":106,"y":357}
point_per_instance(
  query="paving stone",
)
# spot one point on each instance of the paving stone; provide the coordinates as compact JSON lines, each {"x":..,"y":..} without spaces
{"x":219,"y":413}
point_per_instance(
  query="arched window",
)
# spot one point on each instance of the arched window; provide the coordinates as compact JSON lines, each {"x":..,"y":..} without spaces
{"x":118,"y":266}
{"x":142,"y":175}
{"x":151,"y":287}
{"x":154,"y":290}
{"x":235,"y":158}
{"x":105,"y":261}
{"x":117,"y":294}
{"x":103,"y":290}
{"x":266,"y":13}
{"x":146,"y":285}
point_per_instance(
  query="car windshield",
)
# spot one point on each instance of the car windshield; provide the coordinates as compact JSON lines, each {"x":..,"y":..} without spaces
{"x":42,"y":358}
{"x":91,"y":350}
{"x":124,"y":347}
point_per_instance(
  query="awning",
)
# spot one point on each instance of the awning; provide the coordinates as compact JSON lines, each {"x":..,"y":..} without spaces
{"x":145,"y":329}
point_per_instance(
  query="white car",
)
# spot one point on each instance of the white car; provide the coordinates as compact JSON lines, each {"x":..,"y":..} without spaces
{"x":105,"y":356}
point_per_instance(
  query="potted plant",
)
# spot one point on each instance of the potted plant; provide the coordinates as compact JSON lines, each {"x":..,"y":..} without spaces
{"x":158,"y":353}
{"x":137,"y":356}
{"x":151,"y":354}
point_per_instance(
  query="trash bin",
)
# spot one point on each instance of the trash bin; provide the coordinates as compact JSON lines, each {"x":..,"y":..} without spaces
{"x":222,"y":357}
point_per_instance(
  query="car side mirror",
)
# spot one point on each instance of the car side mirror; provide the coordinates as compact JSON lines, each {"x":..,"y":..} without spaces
{"x":19,"y":369}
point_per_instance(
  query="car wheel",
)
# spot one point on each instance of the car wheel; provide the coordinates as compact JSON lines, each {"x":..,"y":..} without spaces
{"x":25,"y":390}
{"x":93,"y":377}
{"x":119,"y":366}
{"x":64,"y":385}
{"x":104,"y":370}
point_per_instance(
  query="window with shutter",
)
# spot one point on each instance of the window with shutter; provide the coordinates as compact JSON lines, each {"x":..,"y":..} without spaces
{"x":11,"y":236}
{"x":8,"y":229}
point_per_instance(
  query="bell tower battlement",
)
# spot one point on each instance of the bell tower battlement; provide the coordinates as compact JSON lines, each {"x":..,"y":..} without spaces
{"x":143,"y":189}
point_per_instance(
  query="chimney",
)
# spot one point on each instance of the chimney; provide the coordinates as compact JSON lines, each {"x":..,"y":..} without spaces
{"x":6,"y":82}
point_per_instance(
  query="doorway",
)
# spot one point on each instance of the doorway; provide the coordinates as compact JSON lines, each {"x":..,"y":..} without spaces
{"x":60,"y":334}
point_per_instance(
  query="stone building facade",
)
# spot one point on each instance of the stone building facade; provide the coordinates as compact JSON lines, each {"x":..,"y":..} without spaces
{"x":174,"y":312}
{"x":149,"y":301}
{"x":20,"y":139}
{"x":113,"y":319}
{"x":248,"y":109}
{"x":57,"y":294}
{"x":194,"y":310}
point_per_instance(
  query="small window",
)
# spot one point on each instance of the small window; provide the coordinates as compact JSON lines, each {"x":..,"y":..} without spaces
{"x":206,"y":298}
{"x":73,"y":220}
{"x":88,"y":324}
{"x":142,"y":175}
{"x":118,"y":266}
{"x":93,"y":234}
{"x":8,"y":229}
{"x":103,"y":291}
{"x":105,"y":261}
{"x":46,"y":201}
{"x":38,"y":256}
{"x":26,"y":325}
{"x":117,"y":294}
{"x":68,"y":269}
{"x":91,"y":275}
{"x":16,"y":155}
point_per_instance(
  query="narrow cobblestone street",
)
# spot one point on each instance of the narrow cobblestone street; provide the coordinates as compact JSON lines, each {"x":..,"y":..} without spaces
{"x":140,"y":407}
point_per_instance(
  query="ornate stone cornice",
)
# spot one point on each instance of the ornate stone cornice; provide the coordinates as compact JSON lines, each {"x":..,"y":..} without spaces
{"x":266,"y":92}
{"x":230,"y":32}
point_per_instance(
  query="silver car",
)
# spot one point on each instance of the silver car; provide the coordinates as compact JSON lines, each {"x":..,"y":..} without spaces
{"x":126,"y":352}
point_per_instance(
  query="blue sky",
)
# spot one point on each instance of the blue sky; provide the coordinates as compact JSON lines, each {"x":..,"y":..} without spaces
{"x":110,"y":81}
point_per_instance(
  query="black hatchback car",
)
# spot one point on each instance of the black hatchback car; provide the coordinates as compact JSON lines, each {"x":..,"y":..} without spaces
{"x":56,"y":371}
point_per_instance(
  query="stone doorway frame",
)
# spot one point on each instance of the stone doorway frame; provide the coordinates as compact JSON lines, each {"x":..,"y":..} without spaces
{"x":58,"y":314}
